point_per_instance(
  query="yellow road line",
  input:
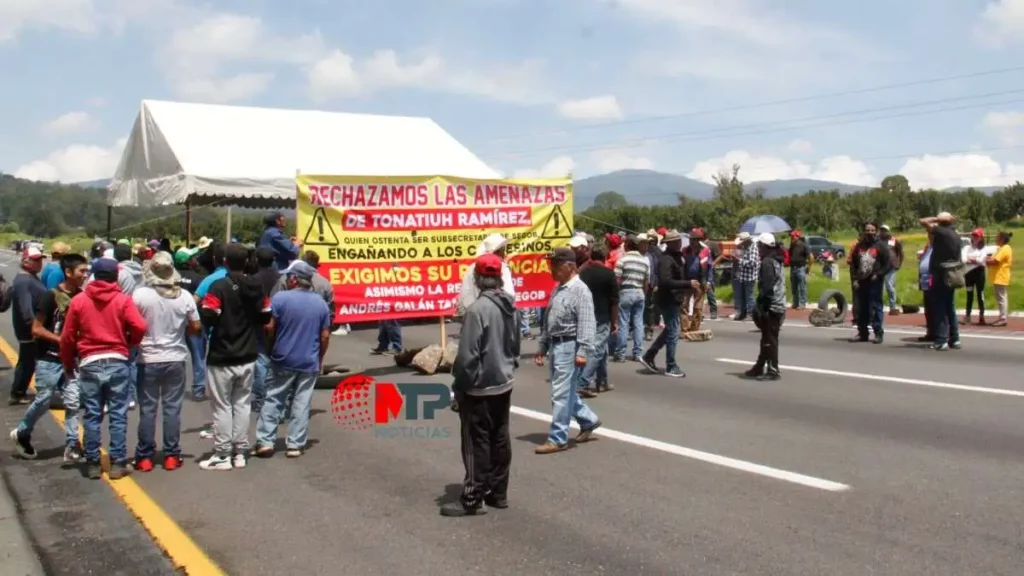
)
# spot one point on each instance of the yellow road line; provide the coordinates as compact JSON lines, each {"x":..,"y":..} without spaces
{"x":184,"y":553}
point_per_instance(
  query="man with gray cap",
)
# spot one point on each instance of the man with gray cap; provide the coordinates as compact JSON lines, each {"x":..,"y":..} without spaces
{"x":171,"y":314}
{"x":285,"y":249}
{"x":567,"y":337}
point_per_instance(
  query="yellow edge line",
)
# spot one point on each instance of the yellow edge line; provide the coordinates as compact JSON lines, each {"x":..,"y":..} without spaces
{"x":183,"y":551}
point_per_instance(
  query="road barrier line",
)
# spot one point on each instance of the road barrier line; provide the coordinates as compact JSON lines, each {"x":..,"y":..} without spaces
{"x":877,"y":378}
{"x":742,"y":465}
{"x":183,"y":552}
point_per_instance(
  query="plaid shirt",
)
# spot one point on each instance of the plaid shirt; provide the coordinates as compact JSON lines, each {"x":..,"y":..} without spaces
{"x":570,"y":314}
{"x":748,"y":265}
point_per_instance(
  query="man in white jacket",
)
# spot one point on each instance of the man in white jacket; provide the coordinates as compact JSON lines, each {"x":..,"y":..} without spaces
{"x":493,"y":244}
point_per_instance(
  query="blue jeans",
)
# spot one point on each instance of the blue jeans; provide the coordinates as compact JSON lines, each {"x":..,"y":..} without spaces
{"x":197,"y":350}
{"x":133,"y":374}
{"x":798,"y":278}
{"x":389,"y":335}
{"x":105,"y":382}
{"x":947,"y":325}
{"x":282,"y":383}
{"x":869,"y":308}
{"x":743,"y":298}
{"x":712,"y":300}
{"x":890,"y":287}
{"x":162,"y":383}
{"x":566,"y":403}
{"x":259,"y":380}
{"x":668,"y":338}
{"x":631,"y":319}
{"x":49,"y":376}
{"x":72,"y":409}
{"x":597,"y":363}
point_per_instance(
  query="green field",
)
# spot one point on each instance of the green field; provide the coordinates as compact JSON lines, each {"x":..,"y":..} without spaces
{"x":906,"y":278}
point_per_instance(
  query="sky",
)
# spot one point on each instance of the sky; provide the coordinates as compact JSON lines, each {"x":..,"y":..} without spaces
{"x":841,"y":91}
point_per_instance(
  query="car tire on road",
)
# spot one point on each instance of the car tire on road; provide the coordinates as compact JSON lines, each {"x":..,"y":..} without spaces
{"x":833,"y":295}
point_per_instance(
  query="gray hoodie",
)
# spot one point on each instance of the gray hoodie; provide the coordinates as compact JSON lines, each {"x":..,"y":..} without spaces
{"x":129,"y":276}
{"x":488,"y":346}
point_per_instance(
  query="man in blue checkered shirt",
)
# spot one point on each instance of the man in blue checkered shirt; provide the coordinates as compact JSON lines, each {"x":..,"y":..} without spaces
{"x":746,"y":264}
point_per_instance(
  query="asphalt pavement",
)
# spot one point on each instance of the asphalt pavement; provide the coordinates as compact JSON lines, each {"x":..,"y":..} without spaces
{"x":863,"y":459}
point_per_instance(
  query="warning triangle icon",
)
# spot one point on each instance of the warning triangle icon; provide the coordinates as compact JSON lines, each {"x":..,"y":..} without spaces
{"x":320,"y":231}
{"x":556,"y":225}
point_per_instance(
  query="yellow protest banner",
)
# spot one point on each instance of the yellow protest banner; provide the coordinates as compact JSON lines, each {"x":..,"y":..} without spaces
{"x":397,"y":247}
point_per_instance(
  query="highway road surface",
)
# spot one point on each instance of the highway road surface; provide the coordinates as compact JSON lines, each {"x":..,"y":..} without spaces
{"x":864,"y":459}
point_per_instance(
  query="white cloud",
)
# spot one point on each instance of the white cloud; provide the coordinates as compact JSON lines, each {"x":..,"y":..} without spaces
{"x":613,"y":160}
{"x":71,"y":15}
{"x":1008,"y":126}
{"x":196,"y":55}
{"x":76,"y":163}
{"x":939,"y":172}
{"x":339,"y":75}
{"x":842,"y":169}
{"x":799,"y":147}
{"x":557,"y":168}
{"x":596,"y":108}
{"x":1002,"y":22}
{"x":69,"y":123}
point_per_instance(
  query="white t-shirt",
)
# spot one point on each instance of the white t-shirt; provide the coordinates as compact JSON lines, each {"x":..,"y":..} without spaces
{"x":469,"y":293}
{"x":168,"y":320}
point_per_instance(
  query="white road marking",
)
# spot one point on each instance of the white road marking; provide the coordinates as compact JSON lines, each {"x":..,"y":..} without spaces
{"x":911,"y":381}
{"x":707,"y":457}
{"x":963,"y":334}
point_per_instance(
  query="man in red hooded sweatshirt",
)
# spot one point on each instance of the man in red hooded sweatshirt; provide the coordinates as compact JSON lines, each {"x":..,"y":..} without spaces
{"x":101,"y":327}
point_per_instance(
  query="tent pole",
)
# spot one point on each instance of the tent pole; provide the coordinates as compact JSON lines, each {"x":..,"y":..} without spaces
{"x":227,"y":232}
{"x":110,"y":222}
{"x":188,"y":221}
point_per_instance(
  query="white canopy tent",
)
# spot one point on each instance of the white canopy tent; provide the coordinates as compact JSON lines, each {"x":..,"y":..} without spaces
{"x":244,"y":156}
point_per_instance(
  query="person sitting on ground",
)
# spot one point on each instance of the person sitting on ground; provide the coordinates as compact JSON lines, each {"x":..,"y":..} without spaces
{"x":297,"y":336}
{"x":483,"y":376}
{"x":101,"y":327}
{"x":172,"y":316}
{"x":235,"y":309}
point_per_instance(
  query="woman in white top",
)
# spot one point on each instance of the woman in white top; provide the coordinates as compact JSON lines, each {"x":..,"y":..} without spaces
{"x":974,"y":256}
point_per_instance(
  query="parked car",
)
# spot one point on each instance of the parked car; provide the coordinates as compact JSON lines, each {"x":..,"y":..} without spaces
{"x":818,"y":244}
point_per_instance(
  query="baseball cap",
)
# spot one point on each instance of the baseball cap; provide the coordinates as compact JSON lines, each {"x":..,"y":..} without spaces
{"x":183,"y":255}
{"x":768,"y":239}
{"x":104,"y":265}
{"x":577,"y":242}
{"x":32,"y":253}
{"x":978,"y":233}
{"x":697,"y":234}
{"x":300,"y":269}
{"x":488,"y":265}
{"x":559,"y":255}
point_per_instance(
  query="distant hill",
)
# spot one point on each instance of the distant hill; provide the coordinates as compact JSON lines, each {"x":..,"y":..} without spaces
{"x":778,"y":188}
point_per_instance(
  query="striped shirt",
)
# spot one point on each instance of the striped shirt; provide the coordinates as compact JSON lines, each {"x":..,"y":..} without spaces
{"x":570,"y":315}
{"x":633,"y":270}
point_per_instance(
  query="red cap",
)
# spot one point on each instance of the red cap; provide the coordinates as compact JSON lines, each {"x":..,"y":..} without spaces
{"x":662,"y":231}
{"x":32,"y":253}
{"x":488,"y":265}
{"x":978,"y":233}
{"x":697,"y":234}
{"x":796,"y":234}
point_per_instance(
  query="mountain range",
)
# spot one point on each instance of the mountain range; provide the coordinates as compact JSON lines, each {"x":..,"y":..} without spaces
{"x":650,"y":187}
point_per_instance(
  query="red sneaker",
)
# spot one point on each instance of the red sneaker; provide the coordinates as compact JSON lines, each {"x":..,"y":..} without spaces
{"x":173,"y":463}
{"x":144,"y":465}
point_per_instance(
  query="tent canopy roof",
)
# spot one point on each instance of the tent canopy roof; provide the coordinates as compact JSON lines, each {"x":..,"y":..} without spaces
{"x":233,"y":155}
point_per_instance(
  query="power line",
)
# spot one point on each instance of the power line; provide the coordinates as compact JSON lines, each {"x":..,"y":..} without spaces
{"x":761,"y":104}
{"x":711,"y":135}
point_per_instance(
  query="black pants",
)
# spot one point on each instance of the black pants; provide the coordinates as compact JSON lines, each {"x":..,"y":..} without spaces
{"x":975,"y":282}
{"x":652,"y":314}
{"x":24,"y":370}
{"x":486,"y":446}
{"x":929,"y":315}
{"x":770,"y":324}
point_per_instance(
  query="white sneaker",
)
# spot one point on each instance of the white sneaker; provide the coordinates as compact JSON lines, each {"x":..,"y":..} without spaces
{"x":215,"y":462}
{"x":341,"y":331}
{"x":239,"y":461}
{"x":131,"y":405}
{"x":206,"y":433}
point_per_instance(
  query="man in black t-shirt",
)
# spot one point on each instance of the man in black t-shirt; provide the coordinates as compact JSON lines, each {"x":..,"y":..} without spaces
{"x":604,"y":286}
{"x":50,"y":376}
{"x":946,"y":254}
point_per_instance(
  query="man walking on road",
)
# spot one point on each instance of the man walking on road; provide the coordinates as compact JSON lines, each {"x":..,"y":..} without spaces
{"x":770,"y":309}
{"x":634,"y":274}
{"x":172,"y":316}
{"x":869,"y":263}
{"x":568,"y":338}
{"x":895,"y":261}
{"x":672,"y":288}
{"x":235,"y":309}
{"x":101,"y":328}
{"x":483,"y":373}
{"x":26,"y":292}
{"x":604,"y":288}
{"x":46,"y":328}
{"x":948,"y":271}
{"x":297,"y":337}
